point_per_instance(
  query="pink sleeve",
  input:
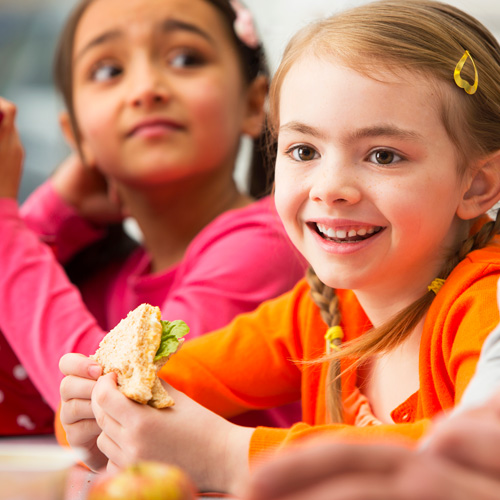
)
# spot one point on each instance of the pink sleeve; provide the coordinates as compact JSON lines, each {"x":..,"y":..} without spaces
{"x":232,"y":268}
{"x":35,"y":297}
{"x":57,"y":223}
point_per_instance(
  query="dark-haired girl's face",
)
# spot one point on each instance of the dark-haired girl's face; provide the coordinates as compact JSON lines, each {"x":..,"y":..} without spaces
{"x":158,"y":89}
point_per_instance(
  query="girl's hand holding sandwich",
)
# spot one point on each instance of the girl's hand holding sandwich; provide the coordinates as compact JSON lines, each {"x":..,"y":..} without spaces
{"x":76,"y":414}
{"x":128,"y":414}
{"x":11,"y":151}
{"x":212,"y":450}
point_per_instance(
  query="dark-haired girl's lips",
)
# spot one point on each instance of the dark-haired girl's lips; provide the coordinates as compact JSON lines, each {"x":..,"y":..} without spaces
{"x":154,"y":128}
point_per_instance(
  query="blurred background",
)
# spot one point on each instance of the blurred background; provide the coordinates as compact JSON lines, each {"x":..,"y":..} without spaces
{"x":29,"y":30}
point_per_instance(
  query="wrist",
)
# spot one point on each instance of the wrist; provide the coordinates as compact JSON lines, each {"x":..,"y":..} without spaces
{"x":234,"y":452}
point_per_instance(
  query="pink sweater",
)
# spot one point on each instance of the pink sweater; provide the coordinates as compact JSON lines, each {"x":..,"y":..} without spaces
{"x":240,"y":259}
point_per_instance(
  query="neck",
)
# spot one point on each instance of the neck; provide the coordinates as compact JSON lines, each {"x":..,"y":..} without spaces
{"x":405,"y":286}
{"x":170,"y":216}
{"x":383,"y":303}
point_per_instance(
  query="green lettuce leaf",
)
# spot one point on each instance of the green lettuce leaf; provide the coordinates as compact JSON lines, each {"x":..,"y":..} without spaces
{"x":172,"y":331}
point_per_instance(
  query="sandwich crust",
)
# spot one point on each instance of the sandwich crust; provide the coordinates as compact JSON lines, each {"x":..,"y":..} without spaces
{"x":129,"y":350}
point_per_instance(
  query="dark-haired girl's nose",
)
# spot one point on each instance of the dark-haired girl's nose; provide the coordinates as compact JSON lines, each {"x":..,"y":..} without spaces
{"x":148,"y":86}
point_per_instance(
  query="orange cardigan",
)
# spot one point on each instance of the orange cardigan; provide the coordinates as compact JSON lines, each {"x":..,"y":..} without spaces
{"x":254,"y":362}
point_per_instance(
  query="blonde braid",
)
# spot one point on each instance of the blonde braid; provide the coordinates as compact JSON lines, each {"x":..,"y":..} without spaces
{"x":327,"y":301}
{"x":395,"y":331}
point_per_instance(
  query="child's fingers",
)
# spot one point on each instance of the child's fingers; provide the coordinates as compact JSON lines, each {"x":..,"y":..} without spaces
{"x":112,"y":451}
{"x":75,"y":410}
{"x":8,"y":112}
{"x":108,"y":403}
{"x":79,"y":366}
{"x":76,"y":388}
{"x":111,"y":401}
{"x":81,"y":433}
{"x":112,"y":468}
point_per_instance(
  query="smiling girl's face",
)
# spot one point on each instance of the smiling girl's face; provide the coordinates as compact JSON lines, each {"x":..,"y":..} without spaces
{"x":158,"y":89}
{"x":367,"y":183}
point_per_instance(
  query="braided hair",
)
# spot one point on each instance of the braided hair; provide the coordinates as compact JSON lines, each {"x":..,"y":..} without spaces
{"x":392,"y":333}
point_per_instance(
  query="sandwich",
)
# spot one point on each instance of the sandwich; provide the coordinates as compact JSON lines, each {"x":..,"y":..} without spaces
{"x":136,"y":349}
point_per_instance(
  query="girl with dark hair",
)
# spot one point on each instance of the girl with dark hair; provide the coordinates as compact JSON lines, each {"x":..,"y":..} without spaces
{"x":158,"y":95}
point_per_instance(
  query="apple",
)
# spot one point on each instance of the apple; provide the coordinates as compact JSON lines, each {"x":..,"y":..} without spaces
{"x":145,"y":480}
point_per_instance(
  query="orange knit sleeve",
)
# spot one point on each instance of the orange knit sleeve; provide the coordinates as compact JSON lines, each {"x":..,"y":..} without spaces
{"x":247,"y":365}
{"x":266,"y":441}
{"x":59,"y":429}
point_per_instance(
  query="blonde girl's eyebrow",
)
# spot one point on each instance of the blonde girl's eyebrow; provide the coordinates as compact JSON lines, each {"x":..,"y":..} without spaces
{"x":366,"y":132}
{"x":301,"y":128}
{"x":385,"y":131}
{"x":168,"y":26}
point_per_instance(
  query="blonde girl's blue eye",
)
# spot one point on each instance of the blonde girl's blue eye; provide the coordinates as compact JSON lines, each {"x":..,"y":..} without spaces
{"x":105,"y":72}
{"x":384,"y":157}
{"x":302,"y":153}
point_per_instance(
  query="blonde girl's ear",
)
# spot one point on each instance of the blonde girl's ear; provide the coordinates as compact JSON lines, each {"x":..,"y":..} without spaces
{"x":483,"y":189}
{"x":256,"y":102}
{"x":70,"y":137}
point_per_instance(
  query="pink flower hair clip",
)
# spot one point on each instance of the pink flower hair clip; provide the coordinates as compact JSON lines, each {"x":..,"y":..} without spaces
{"x":244,"y":26}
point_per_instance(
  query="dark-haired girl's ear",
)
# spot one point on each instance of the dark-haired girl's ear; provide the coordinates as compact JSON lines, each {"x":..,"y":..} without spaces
{"x":67,"y":129}
{"x":483,"y":190}
{"x":255,"y":112}
{"x":70,"y":136}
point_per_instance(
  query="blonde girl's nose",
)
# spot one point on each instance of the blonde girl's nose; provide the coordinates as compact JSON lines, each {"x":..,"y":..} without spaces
{"x":335,"y":185}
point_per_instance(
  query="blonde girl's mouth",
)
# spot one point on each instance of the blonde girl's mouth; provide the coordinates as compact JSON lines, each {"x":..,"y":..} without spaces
{"x":346,"y":234}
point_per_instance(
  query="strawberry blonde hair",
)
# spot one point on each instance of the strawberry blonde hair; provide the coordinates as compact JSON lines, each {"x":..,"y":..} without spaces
{"x":427,"y":38}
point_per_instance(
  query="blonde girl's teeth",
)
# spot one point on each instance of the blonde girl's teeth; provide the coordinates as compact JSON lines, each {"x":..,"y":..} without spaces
{"x":344,"y":233}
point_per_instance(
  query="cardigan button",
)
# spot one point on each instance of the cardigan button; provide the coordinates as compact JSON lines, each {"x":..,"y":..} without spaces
{"x":405,"y":417}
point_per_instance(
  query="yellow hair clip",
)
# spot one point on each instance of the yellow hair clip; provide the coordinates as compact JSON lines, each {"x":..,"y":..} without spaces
{"x":464,"y":84}
{"x":436,"y":285}
{"x":333,"y":333}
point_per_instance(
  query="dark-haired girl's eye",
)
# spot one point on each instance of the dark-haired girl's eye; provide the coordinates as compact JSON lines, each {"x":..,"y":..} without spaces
{"x":105,"y":72}
{"x":186,"y":59}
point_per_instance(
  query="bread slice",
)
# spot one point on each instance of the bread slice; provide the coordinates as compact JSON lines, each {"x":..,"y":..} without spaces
{"x":129,"y":350}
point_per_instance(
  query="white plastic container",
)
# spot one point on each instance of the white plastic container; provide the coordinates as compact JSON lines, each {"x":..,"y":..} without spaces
{"x":34,"y":472}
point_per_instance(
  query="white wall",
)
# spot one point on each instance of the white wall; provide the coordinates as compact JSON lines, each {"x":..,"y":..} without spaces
{"x":277,"y":20}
